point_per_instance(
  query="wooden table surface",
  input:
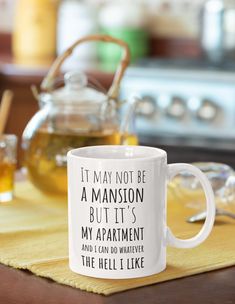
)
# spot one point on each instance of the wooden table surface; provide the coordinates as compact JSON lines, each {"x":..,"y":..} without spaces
{"x":21,"y":287}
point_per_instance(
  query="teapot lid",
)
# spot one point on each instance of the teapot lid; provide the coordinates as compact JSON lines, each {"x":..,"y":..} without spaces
{"x":75,"y":91}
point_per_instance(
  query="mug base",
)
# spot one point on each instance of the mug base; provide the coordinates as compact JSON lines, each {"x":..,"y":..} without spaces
{"x":116,"y":276}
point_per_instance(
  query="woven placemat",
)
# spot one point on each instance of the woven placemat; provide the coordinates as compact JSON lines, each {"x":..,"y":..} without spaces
{"x":33,"y":236}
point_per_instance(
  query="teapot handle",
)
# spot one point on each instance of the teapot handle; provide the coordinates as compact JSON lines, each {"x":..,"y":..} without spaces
{"x":47,"y":82}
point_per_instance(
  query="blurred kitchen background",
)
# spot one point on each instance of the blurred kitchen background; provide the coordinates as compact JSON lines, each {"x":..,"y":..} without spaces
{"x":183,"y":65}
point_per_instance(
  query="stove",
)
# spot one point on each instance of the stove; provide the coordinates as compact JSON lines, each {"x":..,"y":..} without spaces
{"x":184,"y":102}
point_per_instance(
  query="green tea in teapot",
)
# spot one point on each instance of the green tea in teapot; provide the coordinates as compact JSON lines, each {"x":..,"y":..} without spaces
{"x":45,"y":157}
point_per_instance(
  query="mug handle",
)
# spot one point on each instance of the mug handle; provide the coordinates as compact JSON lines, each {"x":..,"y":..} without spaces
{"x":173,"y":170}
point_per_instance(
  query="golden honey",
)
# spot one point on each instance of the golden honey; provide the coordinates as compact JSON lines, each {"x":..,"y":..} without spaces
{"x":45,"y":158}
{"x":6,"y":177}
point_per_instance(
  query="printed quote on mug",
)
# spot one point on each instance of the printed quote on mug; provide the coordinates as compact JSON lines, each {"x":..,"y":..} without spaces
{"x":113,"y":200}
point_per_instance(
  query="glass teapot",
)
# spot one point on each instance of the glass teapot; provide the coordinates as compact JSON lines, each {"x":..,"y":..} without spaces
{"x":73,"y":116}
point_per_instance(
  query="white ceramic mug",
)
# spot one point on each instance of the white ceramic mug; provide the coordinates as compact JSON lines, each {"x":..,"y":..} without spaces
{"x":117,"y":211}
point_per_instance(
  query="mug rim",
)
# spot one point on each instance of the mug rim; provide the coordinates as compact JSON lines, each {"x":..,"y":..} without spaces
{"x":145,"y":153}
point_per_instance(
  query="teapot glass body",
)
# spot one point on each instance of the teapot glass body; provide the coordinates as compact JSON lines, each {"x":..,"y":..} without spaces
{"x":72,"y":116}
{"x":61,"y":125}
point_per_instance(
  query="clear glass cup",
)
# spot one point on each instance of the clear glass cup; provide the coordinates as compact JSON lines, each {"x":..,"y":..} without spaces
{"x":8,"y":146}
{"x":221,"y":177}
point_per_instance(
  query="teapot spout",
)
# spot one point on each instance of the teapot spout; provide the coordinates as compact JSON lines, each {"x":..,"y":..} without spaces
{"x":128,"y":119}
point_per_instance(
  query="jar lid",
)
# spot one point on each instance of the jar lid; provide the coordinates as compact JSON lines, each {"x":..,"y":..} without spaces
{"x":75,"y":91}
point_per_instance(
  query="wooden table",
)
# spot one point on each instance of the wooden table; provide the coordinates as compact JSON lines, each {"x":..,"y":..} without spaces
{"x":21,"y":287}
